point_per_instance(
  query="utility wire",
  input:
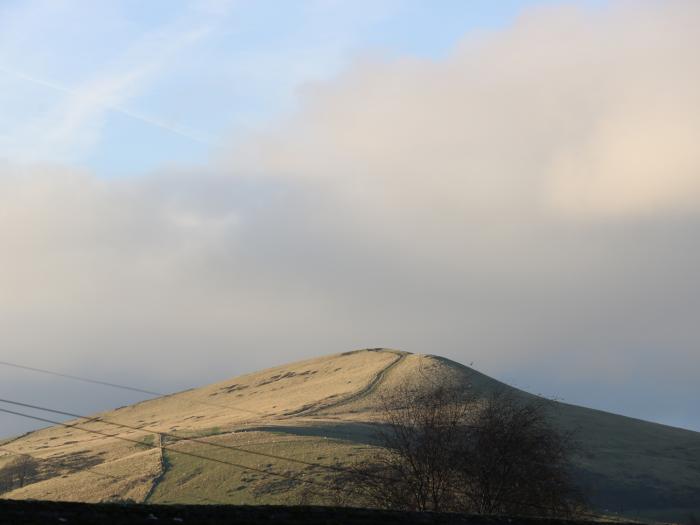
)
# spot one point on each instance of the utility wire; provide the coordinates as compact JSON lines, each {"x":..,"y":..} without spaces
{"x":163,"y":447}
{"x":47,"y":460}
{"x":145,"y":429}
{"x":169,"y":435}
{"x":216,"y":460}
{"x":191,"y":401}
{"x":123,"y":387}
{"x":337,"y":469}
{"x":83,"y":379}
{"x":180,"y":438}
{"x":88,"y":470}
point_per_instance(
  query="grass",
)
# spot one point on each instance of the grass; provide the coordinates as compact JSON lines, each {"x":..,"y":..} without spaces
{"x":191,"y":480}
{"x":147,"y":442}
{"x":199,"y":433}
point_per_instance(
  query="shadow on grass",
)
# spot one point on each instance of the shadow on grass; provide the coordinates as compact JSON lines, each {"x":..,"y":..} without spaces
{"x":360,"y":433}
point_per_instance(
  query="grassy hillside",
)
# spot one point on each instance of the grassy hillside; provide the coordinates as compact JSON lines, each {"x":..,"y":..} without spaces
{"x":319,"y":412}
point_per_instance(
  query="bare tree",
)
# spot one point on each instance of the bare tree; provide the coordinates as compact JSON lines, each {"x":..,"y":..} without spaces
{"x":516,"y":461}
{"x":17,"y":473}
{"x":421,"y":433}
{"x":444,"y":450}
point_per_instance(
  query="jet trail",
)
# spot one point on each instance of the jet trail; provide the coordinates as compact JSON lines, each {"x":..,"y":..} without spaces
{"x":172,"y":128}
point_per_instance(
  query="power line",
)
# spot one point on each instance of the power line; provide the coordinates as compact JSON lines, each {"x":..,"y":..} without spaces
{"x":180,"y":438}
{"x":163,"y":447}
{"x":46,"y":460}
{"x":333,"y":468}
{"x":191,"y":401}
{"x":216,"y":460}
{"x":169,"y":435}
{"x":123,"y":387}
{"x":87,"y":469}
{"x":83,"y":379}
{"x":146,"y":429}
{"x":336,"y":469}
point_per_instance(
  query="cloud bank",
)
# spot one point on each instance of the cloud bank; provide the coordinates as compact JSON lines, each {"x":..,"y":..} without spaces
{"x":530,"y":203}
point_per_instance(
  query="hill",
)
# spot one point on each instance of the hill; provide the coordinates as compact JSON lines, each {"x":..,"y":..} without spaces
{"x":251,"y":438}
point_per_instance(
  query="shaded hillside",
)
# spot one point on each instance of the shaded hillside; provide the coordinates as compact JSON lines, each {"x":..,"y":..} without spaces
{"x":257,"y":435}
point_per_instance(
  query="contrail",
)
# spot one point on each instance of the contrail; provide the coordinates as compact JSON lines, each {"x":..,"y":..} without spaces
{"x":172,"y":128}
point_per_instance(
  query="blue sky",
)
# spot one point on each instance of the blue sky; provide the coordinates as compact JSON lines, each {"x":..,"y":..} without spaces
{"x":124,"y":88}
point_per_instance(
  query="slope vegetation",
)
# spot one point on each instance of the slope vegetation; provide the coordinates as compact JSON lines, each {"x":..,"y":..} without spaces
{"x":270,"y":436}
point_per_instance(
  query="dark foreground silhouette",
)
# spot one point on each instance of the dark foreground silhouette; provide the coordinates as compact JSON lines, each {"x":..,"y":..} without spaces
{"x":45,"y":512}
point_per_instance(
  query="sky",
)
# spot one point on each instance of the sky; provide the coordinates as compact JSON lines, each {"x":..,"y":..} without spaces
{"x":191,"y":190}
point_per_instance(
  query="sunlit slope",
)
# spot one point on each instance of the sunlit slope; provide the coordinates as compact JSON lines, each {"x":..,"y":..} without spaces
{"x":287,"y":423}
{"x":68,"y":456}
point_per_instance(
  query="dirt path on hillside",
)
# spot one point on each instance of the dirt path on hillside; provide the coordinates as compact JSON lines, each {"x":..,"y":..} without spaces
{"x":355,"y":396}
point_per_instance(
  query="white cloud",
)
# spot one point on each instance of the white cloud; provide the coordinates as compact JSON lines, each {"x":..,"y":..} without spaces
{"x":572,"y":110}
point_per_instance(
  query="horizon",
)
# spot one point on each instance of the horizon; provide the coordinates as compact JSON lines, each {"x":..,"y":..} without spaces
{"x":199,"y":189}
